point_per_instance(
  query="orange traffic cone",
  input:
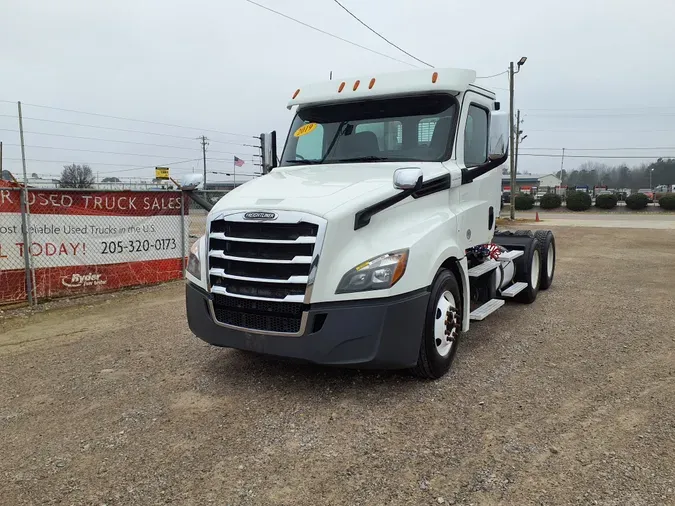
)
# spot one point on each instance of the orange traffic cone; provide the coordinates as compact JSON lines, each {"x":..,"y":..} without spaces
{"x":537,"y":217}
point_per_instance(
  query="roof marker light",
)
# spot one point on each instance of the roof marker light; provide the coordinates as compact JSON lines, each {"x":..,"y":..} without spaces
{"x":342,"y":87}
{"x":434,"y":77}
{"x":372,"y":83}
{"x":356,"y":84}
{"x":297,"y":92}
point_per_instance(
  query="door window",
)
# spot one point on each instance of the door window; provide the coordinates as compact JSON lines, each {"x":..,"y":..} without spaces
{"x":476,"y":136}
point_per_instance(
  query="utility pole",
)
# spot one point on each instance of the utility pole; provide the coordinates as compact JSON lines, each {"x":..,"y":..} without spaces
{"x":562,"y":163}
{"x":511,"y":143}
{"x":205,"y":142}
{"x":514,"y":128}
{"x":0,"y":159}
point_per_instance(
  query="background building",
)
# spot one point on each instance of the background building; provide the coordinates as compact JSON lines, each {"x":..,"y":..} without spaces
{"x":526,"y":183}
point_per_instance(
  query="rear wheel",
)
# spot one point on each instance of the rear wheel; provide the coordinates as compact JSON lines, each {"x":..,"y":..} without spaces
{"x":442,"y":327}
{"x":548,"y":257}
{"x":528,"y":270}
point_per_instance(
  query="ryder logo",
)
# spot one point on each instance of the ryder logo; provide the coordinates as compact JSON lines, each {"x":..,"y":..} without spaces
{"x":78,"y":280}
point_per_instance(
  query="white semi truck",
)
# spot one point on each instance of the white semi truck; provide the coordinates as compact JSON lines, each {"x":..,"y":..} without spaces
{"x":373,"y":244}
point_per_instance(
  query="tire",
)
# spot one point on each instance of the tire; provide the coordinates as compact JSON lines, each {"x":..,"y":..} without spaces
{"x":529,"y":260}
{"x":434,"y":359}
{"x":546,"y":247}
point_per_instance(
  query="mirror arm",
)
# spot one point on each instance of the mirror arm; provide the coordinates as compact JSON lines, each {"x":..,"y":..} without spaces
{"x":468,"y":175}
{"x":362,"y":218}
{"x":198,"y":200}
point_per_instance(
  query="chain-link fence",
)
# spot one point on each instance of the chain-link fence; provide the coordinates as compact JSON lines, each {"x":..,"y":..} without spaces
{"x":57,"y":243}
{"x":197,"y":218}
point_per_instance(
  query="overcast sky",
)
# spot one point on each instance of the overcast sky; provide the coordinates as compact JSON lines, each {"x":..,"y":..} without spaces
{"x":229,"y":66}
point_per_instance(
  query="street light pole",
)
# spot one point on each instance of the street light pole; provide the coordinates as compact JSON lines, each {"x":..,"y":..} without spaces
{"x":650,"y":179}
{"x":513,"y":131}
{"x":511,"y":144}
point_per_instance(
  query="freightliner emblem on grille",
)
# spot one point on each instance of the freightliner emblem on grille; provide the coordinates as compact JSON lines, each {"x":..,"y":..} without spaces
{"x":259,"y":215}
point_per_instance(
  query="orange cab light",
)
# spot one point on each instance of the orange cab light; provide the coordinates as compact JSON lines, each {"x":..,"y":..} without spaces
{"x":400,"y":268}
{"x":372,"y":83}
{"x":297,"y":92}
{"x":342,"y":87}
{"x":356,"y":84}
{"x":434,"y":77}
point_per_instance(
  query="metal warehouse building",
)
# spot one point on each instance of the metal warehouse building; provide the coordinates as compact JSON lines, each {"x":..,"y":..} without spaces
{"x":525,"y":183}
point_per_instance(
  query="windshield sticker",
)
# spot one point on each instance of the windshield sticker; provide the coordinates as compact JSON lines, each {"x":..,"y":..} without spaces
{"x":305,"y":129}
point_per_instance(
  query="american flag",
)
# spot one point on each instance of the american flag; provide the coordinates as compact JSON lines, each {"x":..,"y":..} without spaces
{"x":238,"y":162}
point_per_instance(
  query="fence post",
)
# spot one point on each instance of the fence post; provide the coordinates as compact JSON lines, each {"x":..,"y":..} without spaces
{"x":182,"y":231}
{"x":26,"y":246}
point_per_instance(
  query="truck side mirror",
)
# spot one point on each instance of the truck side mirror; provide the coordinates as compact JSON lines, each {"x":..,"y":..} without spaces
{"x":498,"y":143}
{"x":408,"y":178}
{"x":498,"y":147}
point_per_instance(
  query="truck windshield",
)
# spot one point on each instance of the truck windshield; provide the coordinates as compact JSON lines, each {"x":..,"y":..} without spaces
{"x":419,"y":128}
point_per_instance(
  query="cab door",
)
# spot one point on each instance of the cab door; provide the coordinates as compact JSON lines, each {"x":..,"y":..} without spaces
{"x":479,"y":200}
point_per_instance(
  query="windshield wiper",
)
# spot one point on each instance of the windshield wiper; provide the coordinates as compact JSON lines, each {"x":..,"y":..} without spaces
{"x":363,"y":159}
{"x":303,"y":162}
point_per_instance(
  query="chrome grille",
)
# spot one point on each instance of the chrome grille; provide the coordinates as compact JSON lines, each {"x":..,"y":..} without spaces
{"x":260,"y":271}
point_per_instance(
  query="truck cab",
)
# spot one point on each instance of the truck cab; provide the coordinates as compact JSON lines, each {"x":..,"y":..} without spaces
{"x":373,"y":243}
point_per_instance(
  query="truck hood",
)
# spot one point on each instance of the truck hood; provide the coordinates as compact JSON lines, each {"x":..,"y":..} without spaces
{"x":316,"y":189}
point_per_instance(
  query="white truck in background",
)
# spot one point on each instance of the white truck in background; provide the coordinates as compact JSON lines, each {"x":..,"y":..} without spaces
{"x":373,"y":243}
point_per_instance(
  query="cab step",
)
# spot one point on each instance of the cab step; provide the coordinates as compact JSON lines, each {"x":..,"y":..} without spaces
{"x":483,"y":268}
{"x":514,"y":289}
{"x":510,"y":255}
{"x":486,"y":309}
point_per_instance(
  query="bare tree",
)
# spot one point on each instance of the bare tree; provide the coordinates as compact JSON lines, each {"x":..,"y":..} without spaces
{"x":76,"y":176}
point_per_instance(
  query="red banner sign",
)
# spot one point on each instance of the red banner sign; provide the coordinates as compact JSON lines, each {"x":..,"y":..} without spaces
{"x":89,"y":241}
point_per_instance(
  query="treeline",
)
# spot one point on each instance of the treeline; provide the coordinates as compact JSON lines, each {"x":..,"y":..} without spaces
{"x":621,"y":176}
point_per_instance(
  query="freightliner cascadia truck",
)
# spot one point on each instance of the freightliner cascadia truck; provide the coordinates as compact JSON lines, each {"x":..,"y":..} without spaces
{"x":373,"y":243}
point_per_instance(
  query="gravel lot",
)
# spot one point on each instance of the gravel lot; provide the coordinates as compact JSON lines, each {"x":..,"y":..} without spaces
{"x":110,"y":400}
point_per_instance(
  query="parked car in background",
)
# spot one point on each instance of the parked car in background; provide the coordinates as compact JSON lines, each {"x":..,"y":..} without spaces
{"x":648,"y":192}
{"x":506,"y":197}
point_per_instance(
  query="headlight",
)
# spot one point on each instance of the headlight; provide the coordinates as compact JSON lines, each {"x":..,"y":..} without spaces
{"x":375,"y":274}
{"x":194,"y":266}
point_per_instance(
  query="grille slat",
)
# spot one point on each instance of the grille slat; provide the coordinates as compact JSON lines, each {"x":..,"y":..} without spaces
{"x":292,"y":279}
{"x":259,"y":271}
{"x":265,"y":230}
{"x":299,"y":240}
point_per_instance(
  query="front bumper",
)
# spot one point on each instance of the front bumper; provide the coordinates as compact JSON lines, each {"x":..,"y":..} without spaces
{"x":382,"y":333}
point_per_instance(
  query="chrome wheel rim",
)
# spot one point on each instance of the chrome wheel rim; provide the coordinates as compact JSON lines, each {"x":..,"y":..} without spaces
{"x":535,"y":270}
{"x":550,"y":259}
{"x":446,"y":324}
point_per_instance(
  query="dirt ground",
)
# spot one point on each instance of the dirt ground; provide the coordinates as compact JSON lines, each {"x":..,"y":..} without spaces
{"x":110,"y":400}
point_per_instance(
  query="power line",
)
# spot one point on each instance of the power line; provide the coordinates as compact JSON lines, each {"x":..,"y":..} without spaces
{"x":494,"y":75}
{"x":381,"y":36}
{"x":131,"y":119}
{"x":600,"y":130}
{"x":111,"y":152}
{"x":594,"y":149}
{"x":117,"y":129}
{"x":328,"y":33}
{"x":562,"y":109}
{"x":91,"y":151}
{"x":135,"y":167}
{"x":618,"y":115}
{"x":596,"y":156}
{"x":238,"y":173}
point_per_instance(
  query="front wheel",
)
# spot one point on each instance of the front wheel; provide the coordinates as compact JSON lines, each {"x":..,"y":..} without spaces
{"x":442,"y":327}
